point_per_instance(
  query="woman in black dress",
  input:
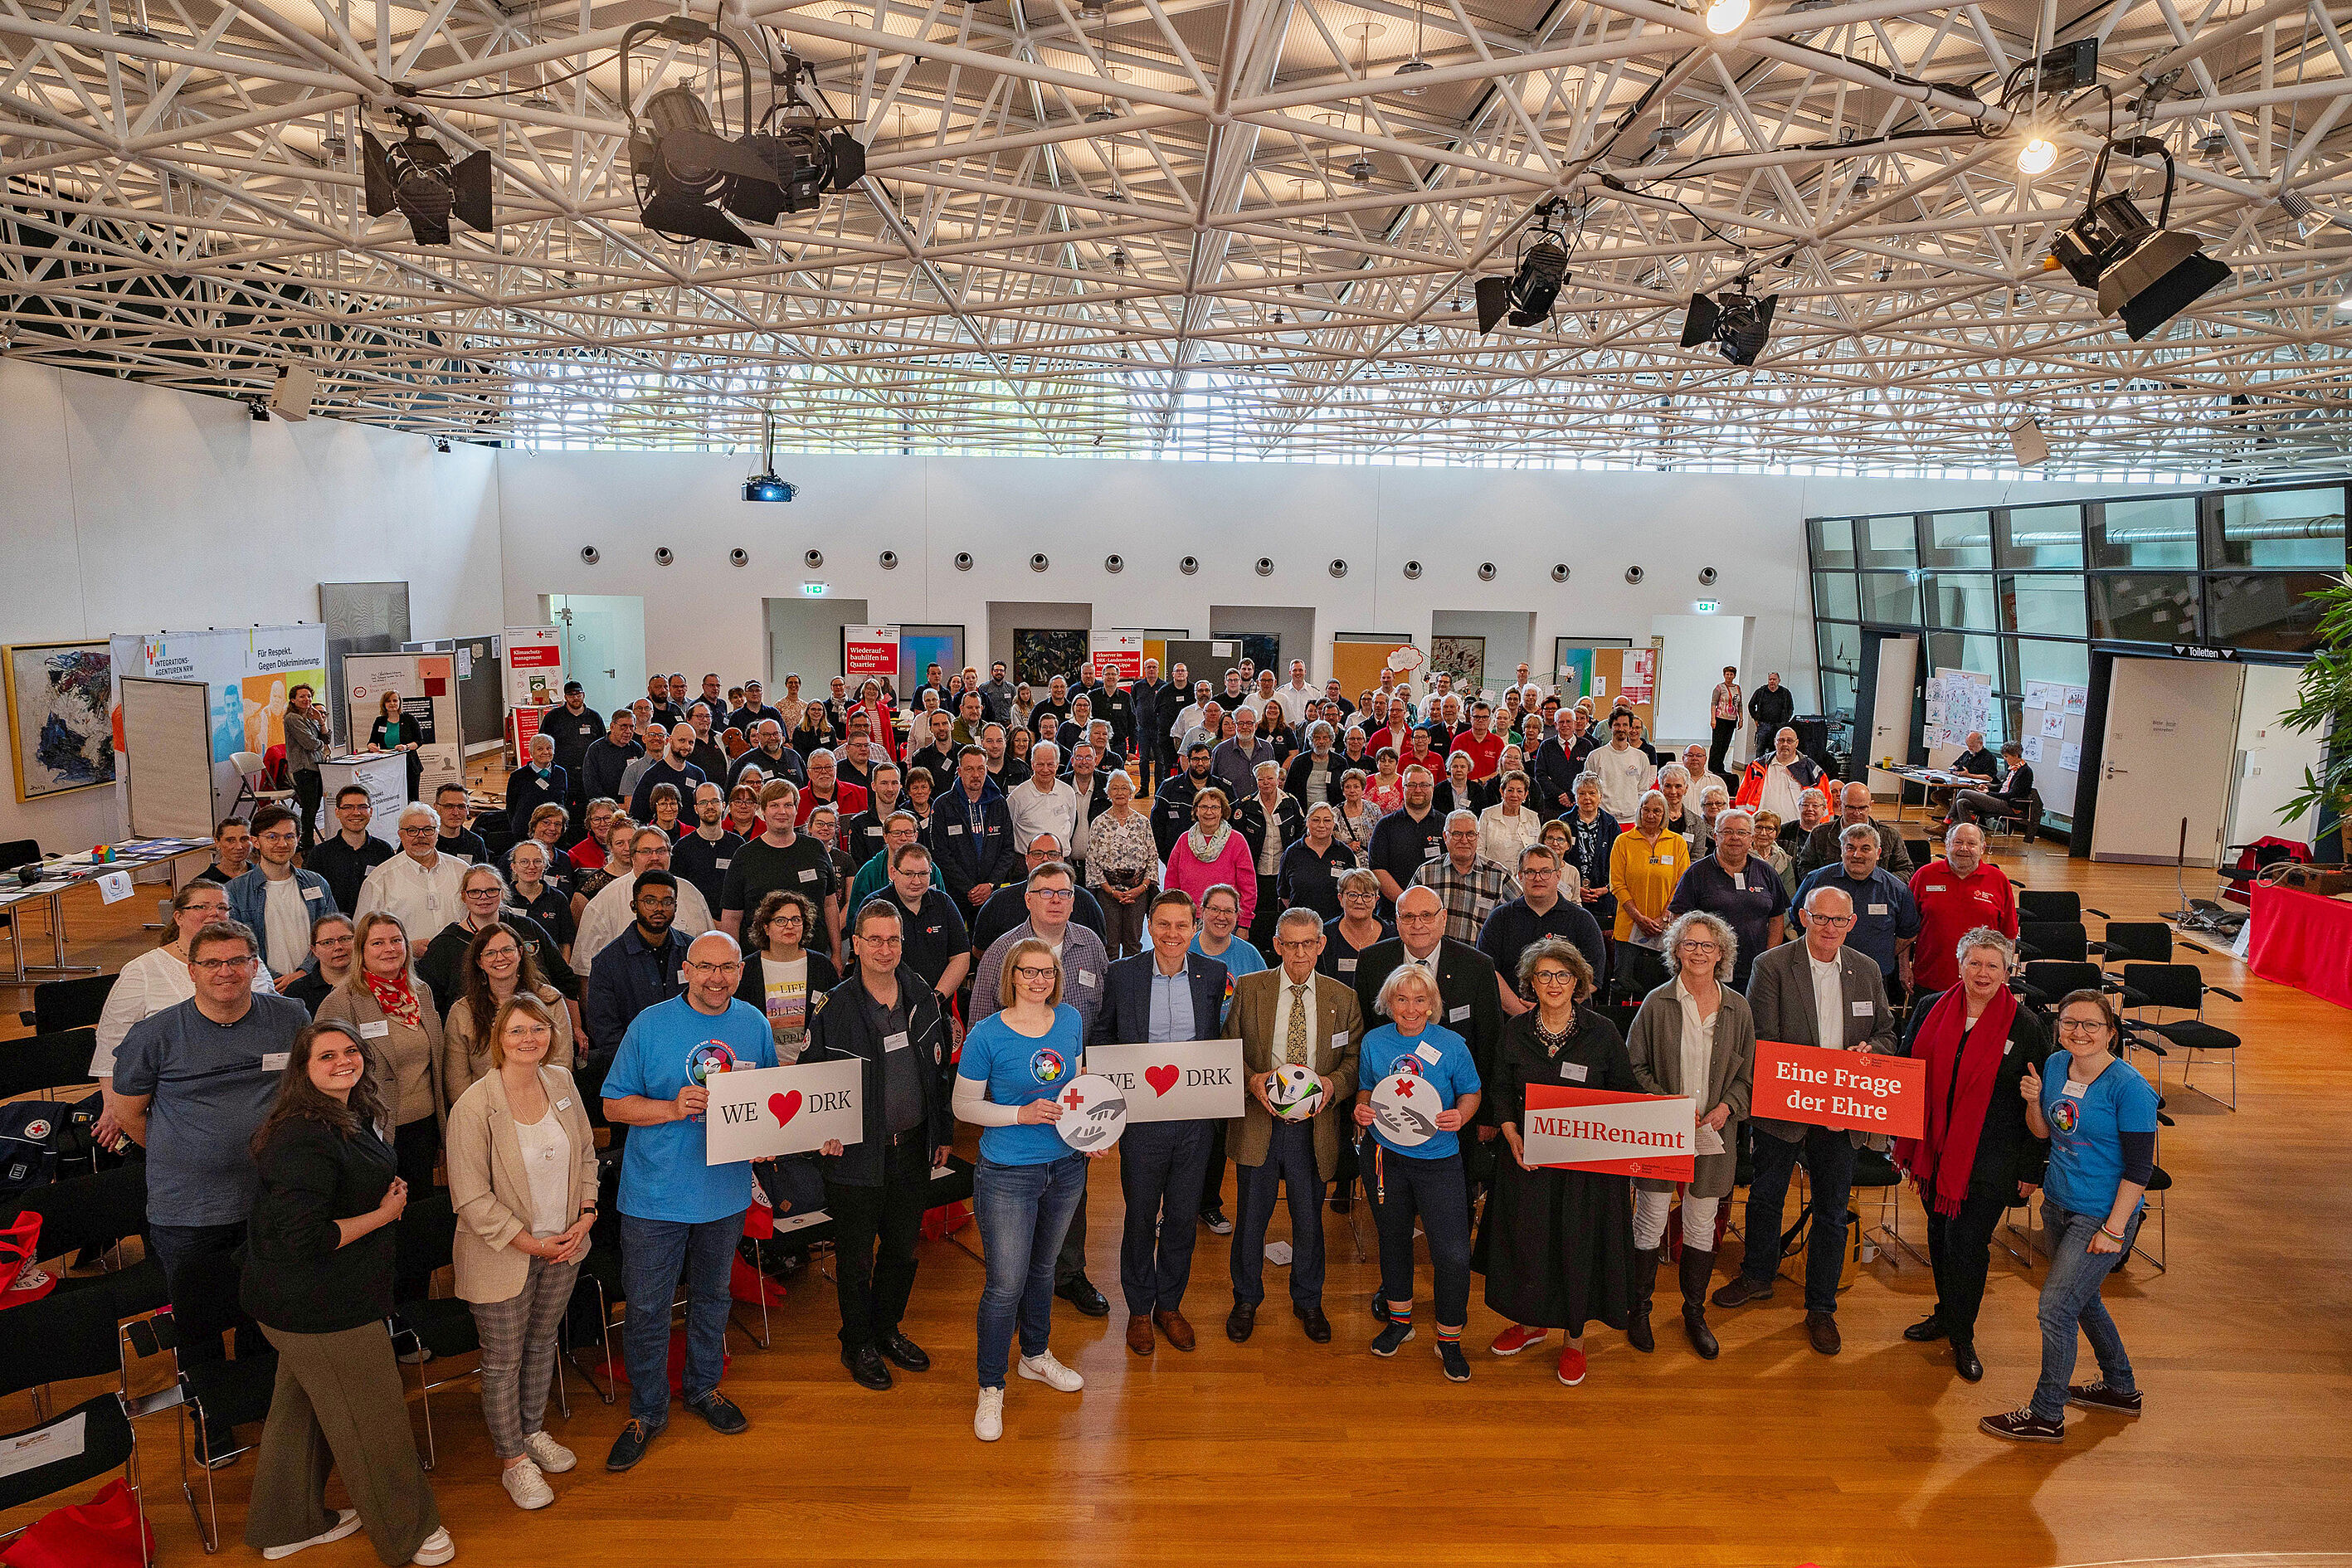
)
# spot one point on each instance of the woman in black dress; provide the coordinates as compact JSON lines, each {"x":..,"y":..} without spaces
{"x":1557,"y":1247}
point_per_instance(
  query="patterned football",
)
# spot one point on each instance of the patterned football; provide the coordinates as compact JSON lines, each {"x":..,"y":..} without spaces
{"x":1295,"y":1091}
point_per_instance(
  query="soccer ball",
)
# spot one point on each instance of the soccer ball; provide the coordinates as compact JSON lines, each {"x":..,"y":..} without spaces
{"x":1295,"y":1091}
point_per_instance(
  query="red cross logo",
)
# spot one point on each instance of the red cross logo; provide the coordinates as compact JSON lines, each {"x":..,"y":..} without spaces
{"x":1404,"y":1088}
{"x":1074,"y":1099}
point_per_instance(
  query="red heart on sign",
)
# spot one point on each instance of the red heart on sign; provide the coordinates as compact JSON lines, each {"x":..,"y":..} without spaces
{"x":1161,"y":1078}
{"x":784,"y":1107}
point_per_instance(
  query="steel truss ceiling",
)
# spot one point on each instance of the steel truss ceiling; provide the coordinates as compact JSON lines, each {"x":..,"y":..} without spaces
{"x":1212,"y":228}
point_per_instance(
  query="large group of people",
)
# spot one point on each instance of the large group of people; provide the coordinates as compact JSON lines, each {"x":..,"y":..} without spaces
{"x":966,"y":895}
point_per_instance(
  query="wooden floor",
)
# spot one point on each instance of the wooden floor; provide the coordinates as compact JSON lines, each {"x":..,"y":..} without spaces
{"x":1280,"y":1451}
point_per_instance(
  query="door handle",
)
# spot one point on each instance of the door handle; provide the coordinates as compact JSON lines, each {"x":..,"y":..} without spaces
{"x":609,"y":674}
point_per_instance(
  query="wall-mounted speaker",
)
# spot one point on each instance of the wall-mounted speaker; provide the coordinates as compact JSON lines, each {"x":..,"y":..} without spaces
{"x":1411,"y":571}
{"x":1707,"y":576}
{"x":1113,"y":563}
{"x":1190,"y":564}
{"x":1038,"y":563}
{"x":663,"y":555}
{"x":591,"y":554}
{"x":812,"y":559}
{"x":889,"y":559}
{"x":1634,"y":574}
{"x":1486,"y":571}
{"x":1266,"y":565}
{"x":739,"y":556}
{"x":1560,"y":572}
{"x":1339,"y":568}
{"x":963,"y":561}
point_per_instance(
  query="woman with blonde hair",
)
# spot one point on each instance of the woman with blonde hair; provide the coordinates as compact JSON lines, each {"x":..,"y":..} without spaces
{"x":523,"y":1176}
{"x":1693,"y":1036}
{"x":386,"y":1003}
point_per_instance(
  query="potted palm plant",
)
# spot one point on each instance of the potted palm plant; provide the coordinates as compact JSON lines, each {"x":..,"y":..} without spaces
{"x":2325,"y":703}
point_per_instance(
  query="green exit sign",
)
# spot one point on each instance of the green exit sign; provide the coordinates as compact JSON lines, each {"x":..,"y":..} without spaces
{"x":1707,"y":606}
{"x":812,"y":590}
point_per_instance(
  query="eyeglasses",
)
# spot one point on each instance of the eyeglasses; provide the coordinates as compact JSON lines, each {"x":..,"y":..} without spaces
{"x":1551,"y":977}
{"x":698,"y":968}
{"x":1054,"y":895}
{"x":1693,"y":946}
{"x":212,"y":965}
{"x":1032,"y":972}
{"x":1834,"y":922}
{"x":2081,"y":1026}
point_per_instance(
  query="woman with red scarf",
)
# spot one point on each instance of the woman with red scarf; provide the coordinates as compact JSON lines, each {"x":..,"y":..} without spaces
{"x":1978,"y":1156}
{"x":390,"y":1009}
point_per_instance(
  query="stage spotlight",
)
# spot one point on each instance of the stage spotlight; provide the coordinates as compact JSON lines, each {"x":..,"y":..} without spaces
{"x":2036,"y":156}
{"x":416,"y":177}
{"x":2145,"y":273}
{"x":1724,"y":17}
{"x":1737,"y":324}
{"x":1526,"y":297}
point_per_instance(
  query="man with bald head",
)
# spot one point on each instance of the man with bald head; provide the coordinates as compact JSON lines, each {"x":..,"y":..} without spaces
{"x":1818,"y":992}
{"x":675,"y":766}
{"x":681,"y":1214}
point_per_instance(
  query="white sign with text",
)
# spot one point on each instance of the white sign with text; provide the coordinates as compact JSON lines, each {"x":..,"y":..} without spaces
{"x":1191,"y":1080}
{"x":765,"y":1111}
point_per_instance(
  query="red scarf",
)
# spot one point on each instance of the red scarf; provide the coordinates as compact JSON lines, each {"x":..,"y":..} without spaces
{"x":396,"y":997}
{"x":1941,"y":1160}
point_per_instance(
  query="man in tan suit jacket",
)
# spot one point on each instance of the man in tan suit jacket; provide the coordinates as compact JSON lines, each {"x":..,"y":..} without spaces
{"x":1298,"y":1155}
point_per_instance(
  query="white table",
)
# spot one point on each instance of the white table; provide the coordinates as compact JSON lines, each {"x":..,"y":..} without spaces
{"x":62,"y":871}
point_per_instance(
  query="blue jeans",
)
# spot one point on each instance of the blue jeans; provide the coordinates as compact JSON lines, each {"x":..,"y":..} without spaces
{"x":1828,"y":1154}
{"x":654,"y":1253}
{"x":1023,"y":1211}
{"x":2070,"y":1298}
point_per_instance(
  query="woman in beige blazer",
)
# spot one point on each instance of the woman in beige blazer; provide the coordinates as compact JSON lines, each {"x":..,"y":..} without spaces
{"x":1694,"y":1037}
{"x":385,"y":1003}
{"x":495,"y":968}
{"x":523,"y":1176}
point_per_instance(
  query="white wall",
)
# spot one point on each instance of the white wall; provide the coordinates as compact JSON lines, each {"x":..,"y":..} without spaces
{"x":701,"y":613}
{"x":126,"y":507}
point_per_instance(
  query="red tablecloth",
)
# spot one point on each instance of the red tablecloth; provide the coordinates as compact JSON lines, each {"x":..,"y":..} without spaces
{"x":2304,"y":941}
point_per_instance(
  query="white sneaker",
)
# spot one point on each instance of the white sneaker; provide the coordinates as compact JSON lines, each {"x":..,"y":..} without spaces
{"x":438,"y":1549}
{"x":527,"y":1486}
{"x":988,"y":1420}
{"x":1044,"y":1369}
{"x":549,"y":1455}
{"x":347,"y":1522}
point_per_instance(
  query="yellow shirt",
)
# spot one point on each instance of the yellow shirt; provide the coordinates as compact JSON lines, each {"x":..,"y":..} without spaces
{"x":1644,"y":878}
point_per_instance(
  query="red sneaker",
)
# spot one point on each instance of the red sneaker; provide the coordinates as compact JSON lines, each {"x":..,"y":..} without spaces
{"x":1516,"y":1338}
{"x":1571,"y":1366}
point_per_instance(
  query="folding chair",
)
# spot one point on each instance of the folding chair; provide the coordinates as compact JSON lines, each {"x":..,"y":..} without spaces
{"x":59,"y":1060}
{"x":91,"y":1214}
{"x":2158,"y":1186}
{"x":69,"y":1004}
{"x":202,"y":1309}
{"x":2054,"y":906}
{"x":55,"y":1340}
{"x":1874,"y":1168}
{"x":2182,"y":988}
{"x":2135,"y":942}
{"x":422,"y":1242}
{"x":2058,"y":941}
{"x":2042,"y":982}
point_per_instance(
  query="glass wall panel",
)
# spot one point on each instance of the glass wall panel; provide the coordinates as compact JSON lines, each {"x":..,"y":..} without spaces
{"x":2050,"y":605}
{"x":1892,"y":540}
{"x":1960,"y":539}
{"x":1840,"y":646}
{"x":2273,"y":611}
{"x":1963,"y":599}
{"x":2145,"y":532}
{"x":1833,"y":596}
{"x":1833,"y":540}
{"x":2068,"y":663}
{"x":2043,"y":536}
{"x":1837,"y":693}
{"x":2284,"y":528}
{"x":2144,"y":608}
{"x":1890,"y":597}
{"x":1950,"y":650}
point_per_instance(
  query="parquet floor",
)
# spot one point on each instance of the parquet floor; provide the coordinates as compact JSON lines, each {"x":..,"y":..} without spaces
{"x":1282,"y":1452}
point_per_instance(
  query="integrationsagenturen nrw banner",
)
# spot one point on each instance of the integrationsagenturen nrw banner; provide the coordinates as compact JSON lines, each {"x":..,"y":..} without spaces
{"x":252,"y":671}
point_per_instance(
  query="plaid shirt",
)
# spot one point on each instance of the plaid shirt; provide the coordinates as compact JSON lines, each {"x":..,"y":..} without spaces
{"x":1470,"y":896}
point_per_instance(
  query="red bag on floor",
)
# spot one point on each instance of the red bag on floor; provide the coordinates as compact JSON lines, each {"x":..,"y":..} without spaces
{"x":106,"y":1531}
{"x":20,"y":1281}
{"x":945,"y":1220}
{"x":617,"y":1369}
{"x":748,"y":1285}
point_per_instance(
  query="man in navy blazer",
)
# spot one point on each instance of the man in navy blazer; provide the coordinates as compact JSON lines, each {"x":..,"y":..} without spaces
{"x":1169,"y":993}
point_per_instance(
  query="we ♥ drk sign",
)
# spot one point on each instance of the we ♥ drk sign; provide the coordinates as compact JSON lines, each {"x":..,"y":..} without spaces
{"x":766,"y":1112}
{"x":1181,"y":1081}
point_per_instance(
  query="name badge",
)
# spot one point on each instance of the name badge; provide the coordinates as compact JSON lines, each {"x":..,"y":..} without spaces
{"x":1862,"y":1009}
{"x":2073,"y":1090}
{"x":1428,"y":1053}
{"x":808,"y":874}
{"x":722,"y":865}
{"x":1087,"y":978}
{"x":275,"y":1061}
{"x":1739,"y":881}
{"x":1458,"y":1015}
{"x":376,"y":1030}
{"x":562,"y":1105}
{"x":955,"y":831}
{"x":896,"y":1042}
{"x":1339,"y":1041}
{"x":1661,"y":859}
{"x":1935,"y":887}
{"x":313,"y":894}
{"x":1347,"y":966}
{"x":1574,"y":1072}
{"x":1874,"y":908}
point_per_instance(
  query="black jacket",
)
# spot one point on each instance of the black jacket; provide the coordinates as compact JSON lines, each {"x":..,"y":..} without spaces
{"x":526,"y":793}
{"x":754,"y":986}
{"x":628,"y":978}
{"x":2007,"y":1151}
{"x":841,"y":1031}
{"x":573,"y":733}
{"x":1172,"y":809}
{"x":1465,"y":979}
{"x":442,"y":963}
{"x":1249,"y":821}
{"x":297,"y":1277}
{"x":1771,"y":709}
{"x":966,"y":862}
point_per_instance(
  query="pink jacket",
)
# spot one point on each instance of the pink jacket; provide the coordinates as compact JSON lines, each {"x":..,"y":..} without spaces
{"x":1187,"y":872}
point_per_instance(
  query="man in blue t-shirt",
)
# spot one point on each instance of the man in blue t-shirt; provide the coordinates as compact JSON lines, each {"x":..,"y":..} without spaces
{"x":681,"y":1213}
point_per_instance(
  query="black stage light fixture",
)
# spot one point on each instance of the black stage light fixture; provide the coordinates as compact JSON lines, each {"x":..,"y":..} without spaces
{"x":2145,"y":273}
{"x":1526,"y":297}
{"x":415,"y":178}
{"x":686,"y":171}
{"x":1736,"y":323}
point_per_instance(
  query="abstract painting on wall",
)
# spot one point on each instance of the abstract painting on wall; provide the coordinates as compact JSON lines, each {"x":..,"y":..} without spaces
{"x":60,"y":731}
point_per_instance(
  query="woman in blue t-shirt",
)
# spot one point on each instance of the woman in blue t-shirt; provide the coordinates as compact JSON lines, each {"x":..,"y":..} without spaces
{"x":2100,"y":1118}
{"x":1029,"y":1182}
{"x":1424,"y":1179}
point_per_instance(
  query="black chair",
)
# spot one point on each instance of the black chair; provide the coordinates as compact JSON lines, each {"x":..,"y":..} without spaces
{"x":1921,"y":850}
{"x":2042,"y":982}
{"x":422,"y":1240}
{"x":215,"y":1393}
{"x":47,"y":1061}
{"x":2053,"y":905}
{"x":2057,"y":942}
{"x":598,"y":1284}
{"x":2158,"y":1185}
{"x":54,"y":1340}
{"x":91,"y":1214}
{"x":2181,"y":987}
{"x":16,"y":852}
{"x":2136,"y":941}
{"x":1874,"y":1168}
{"x":69,"y":1004}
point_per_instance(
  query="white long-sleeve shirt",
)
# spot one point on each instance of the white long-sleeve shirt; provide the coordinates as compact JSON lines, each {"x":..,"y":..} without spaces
{"x":425,"y":898}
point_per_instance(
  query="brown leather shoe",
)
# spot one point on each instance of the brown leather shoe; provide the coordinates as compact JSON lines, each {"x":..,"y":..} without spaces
{"x":1823,"y":1330}
{"x":1178,"y":1332}
{"x":1138,"y":1333}
{"x":1318,"y":1327}
{"x":1242,"y":1321}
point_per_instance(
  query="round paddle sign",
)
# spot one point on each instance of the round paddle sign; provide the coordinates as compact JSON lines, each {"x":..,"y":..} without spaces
{"x":1094,"y":1114}
{"x":1405,"y":1106}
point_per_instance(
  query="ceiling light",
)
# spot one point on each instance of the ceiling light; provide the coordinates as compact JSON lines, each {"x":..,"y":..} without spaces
{"x":2038,"y":153}
{"x":1102,"y":113}
{"x":415,"y":178}
{"x":1724,"y":17}
{"x":1865,"y":184}
{"x":1526,"y":296}
{"x":2309,"y":217}
{"x":2145,"y":273}
{"x":2213,"y":144}
{"x":1412,"y":68}
{"x":1738,"y":324}
{"x":1361,"y":169}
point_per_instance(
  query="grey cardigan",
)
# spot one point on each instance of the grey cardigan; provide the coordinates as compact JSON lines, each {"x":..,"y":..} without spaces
{"x":1655,"y":1047}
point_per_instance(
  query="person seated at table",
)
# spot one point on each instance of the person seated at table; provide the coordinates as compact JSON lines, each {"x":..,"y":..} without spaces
{"x":2016,"y":792}
{"x":1975,"y":765}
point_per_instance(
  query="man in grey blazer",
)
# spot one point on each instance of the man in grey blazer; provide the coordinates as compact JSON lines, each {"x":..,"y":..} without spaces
{"x":1816,"y":992}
